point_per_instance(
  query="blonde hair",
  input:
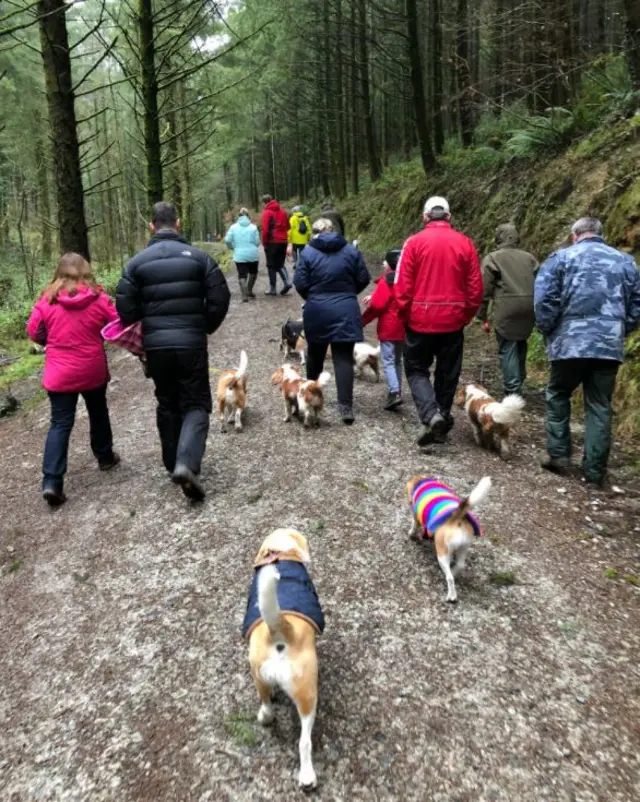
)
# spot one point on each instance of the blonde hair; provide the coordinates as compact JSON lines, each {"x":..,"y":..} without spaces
{"x":322,"y":226}
{"x":244,"y":211}
{"x":72,"y":272}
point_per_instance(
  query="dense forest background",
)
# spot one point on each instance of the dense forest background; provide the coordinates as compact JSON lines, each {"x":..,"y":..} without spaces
{"x":108,"y":106}
{"x":522,"y":109}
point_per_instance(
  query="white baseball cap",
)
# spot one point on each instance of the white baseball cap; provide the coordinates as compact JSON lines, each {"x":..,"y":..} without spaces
{"x":437,"y":203}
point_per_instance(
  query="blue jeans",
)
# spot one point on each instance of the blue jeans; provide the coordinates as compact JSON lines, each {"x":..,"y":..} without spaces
{"x":392,"y":364}
{"x":297,"y":250}
{"x":63,"y":414}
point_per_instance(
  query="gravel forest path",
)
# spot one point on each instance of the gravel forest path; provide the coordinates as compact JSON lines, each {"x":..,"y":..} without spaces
{"x":123,"y":676}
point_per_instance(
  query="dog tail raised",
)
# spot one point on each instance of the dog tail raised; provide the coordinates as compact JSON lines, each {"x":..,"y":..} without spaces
{"x":244,"y":364}
{"x":475,"y":497}
{"x":323,"y":379}
{"x":268,"y":597}
{"x":509,"y":411}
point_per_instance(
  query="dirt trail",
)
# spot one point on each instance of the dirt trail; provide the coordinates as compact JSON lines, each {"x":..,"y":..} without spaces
{"x":123,"y":676}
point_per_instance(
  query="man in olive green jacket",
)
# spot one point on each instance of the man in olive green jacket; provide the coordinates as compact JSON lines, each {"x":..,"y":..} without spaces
{"x":509,"y":276}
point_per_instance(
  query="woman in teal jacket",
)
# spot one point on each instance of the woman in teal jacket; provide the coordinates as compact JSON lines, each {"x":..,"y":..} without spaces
{"x":243,"y":238}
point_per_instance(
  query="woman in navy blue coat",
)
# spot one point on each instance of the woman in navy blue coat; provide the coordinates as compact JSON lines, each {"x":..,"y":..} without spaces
{"x":329,"y":276}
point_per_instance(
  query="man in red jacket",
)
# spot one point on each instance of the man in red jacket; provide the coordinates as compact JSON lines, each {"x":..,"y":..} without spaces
{"x":275,"y":237}
{"x":438,"y":292}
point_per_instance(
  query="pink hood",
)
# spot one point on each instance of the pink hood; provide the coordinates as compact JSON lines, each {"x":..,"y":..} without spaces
{"x":70,"y":327}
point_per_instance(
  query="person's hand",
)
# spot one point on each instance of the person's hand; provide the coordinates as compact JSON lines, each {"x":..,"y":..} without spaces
{"x":366,"y":301}
{"x":289,"y":250}
{"x":486,"y":327}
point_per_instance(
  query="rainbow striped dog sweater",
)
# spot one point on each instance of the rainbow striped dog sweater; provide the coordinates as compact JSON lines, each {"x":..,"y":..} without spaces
{"x":432,"y":502}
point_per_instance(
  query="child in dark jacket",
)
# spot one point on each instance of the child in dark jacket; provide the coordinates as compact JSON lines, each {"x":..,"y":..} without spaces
{"x":382,"y":305}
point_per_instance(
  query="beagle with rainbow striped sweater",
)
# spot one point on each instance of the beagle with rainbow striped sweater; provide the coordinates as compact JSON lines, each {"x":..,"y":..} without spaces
{"x":439,"y":514}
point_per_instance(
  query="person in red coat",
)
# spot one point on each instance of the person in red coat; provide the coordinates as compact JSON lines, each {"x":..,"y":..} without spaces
{"x":382,"y":305}
{"x":275,"y":239}
{"x":438,"y":291}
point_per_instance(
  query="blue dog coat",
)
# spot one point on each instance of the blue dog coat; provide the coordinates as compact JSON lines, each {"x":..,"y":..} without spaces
{"x":296,"y":595}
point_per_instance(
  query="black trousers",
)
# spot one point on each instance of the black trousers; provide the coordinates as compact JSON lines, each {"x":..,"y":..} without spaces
{"x":420,"y":352}
{"x":342,"y":355}
{"x":63,"y":415}
{"x":276,"y":256}
{"x":183,"y":392}
{"x":246,"y":269}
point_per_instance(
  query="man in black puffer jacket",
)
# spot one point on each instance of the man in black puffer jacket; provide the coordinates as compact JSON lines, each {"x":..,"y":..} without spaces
{"x":180,"y":295}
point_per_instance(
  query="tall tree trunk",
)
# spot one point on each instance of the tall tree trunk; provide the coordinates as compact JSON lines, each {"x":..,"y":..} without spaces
{"x":355,"y":177}
{"x":42,"y":160}
{"x":340,"y":151}
{"x":465,"y":114}
{"x":328,"y":125}
{"x":632,"y":9}
{"x":185,"y":173}
{"x":370,"y":133}
{"x":56,"y":60}
{"x":436,"y":50}
{"x":153,"y":150}
{"x":498,"y":54}
{"x":417,"y":86}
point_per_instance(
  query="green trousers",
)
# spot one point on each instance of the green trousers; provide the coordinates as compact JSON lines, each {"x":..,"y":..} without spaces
{"x":598,"y":380}
{"x":513,"y":361}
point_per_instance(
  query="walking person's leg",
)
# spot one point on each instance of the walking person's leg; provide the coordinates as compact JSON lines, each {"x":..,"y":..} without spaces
{"x":510,"y":364}
{"x":253,"y":275}
{"x":243,"y":272}
{"x":389,"y":366}
{"x":399,"y":347}
{"x":162,"y":369}
{"x":316,"y":353}
{"x":342,"y":356}
{"x":449,"y":352}
{"x":418,"y":358}
{"x":598,"y":383}
{"x":565,"y":376}
{"x":196,"y":405}
{"x":269,"y":253}
{"x":100,"y":428}
{"x":280,"y":257}
{"x":523,"y":347}
{"x":56,"y":448}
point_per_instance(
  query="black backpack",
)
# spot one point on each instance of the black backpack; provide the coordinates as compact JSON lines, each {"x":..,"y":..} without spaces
{"x":302,"y":226}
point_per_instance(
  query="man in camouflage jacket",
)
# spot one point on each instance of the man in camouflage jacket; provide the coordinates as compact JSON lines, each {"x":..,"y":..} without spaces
{"x":587,"y":299}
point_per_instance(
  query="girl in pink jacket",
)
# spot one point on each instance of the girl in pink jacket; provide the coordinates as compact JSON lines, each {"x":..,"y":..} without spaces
{"x":68,"y":319}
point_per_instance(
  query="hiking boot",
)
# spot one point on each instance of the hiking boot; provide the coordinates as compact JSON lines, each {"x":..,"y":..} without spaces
{"x":111,"y":462}
{"x":250,"y":285}
{"x":596,"y":482}
{"x":394,"y":400}
{"x":439,"y":428}
{"x":244,"y":289}
{"x":560,"y":465}
{"x":286,"y":289}
{"x":346,"y":413}
{"x":53,"y":495}
{"x":189,"y":483}
{"x":271,"y":291}
{"x":425,"y":438}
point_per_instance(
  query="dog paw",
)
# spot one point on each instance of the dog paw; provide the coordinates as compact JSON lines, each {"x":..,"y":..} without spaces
{"x":307,"y":780}
{"x":452,"y":599}
{"x":265,"y":716}
{"x":238,"y":427}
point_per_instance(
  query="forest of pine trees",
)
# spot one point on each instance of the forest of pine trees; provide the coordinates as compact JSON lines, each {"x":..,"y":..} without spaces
{"x":108,"y":106}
